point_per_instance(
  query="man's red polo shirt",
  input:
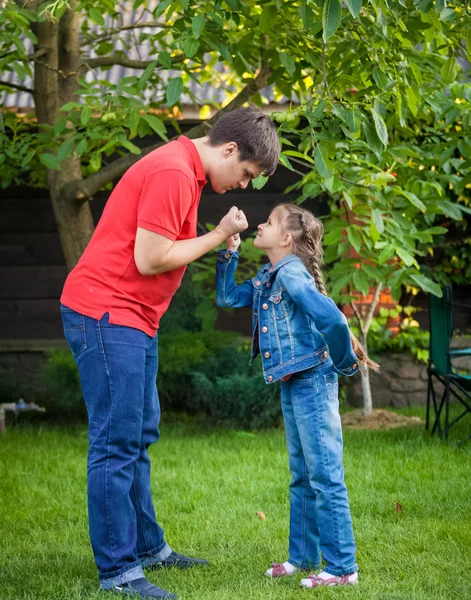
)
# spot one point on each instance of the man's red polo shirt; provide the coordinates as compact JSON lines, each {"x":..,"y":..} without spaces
{"x":161,"y":192}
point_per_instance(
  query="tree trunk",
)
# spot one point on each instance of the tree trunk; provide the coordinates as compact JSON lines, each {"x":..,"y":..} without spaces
{"x":55,"y":82}
{"x":365,"y":382}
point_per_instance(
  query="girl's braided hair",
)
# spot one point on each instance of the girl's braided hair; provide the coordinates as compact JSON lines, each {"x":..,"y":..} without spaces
{"x":306,"y":231}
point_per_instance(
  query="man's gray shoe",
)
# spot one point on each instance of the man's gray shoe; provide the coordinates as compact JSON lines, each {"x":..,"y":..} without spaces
{"x":142,"y":589}
{"x":177,"y":560}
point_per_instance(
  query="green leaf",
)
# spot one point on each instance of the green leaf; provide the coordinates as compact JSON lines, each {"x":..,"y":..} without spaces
{"x":372,"y":138}
{"x":165,"y":59}
{"x":190,"y":47}
{"x":174,"y":90}
{"x":387,"y":253}
{"x":268,"y":18}
{"x":285,"y":162}
{"x":427,"y":285}
{"x":147,"y":73}
{"x":340,"y":283}
{"x":85,"y":115}
{"x":361,"y":282}
{"x":197,"y":25}
{"x":354,"y":238}
{"x":65,"y":149}
{"x":162,"y":7}
{"x":405,"y":256}
{"x":50,"y":161}
{"x":377,"y":220}
{"x":288,"y":62}
{"x":96,"y":16}
{"x":297,"y":154}
{"x":411,"y":101}
{"x":331,"y":17}
{"x":19,"y":70}
{"x":413,"y":200}
{"x":449,"y":70}
{"x":130,"y":146}
{"x":465,"y":148}
{"x":157,"y":125}
{"x":322,"y":162}
{"x":380,"y":127}
{"x":259,"y":182}
{"x":81,"y":147}
{"x":307,"y":16}
{"x":450,"y":209}
{"x":380,"y":78}
{"x":354,"y":6}
{"x":318,"y":110}
{"x":69,"y":106}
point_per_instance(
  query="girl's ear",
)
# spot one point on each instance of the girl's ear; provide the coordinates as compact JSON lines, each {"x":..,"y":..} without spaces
{"x":287,"y":240}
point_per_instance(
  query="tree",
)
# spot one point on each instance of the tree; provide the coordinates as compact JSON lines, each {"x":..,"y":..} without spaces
{"x":386,"y":133}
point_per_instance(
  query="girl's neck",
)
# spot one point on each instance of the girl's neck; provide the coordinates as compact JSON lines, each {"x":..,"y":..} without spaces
{"x":276,"y":254}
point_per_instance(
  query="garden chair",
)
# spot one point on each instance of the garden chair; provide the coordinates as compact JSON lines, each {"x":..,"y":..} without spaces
{"x":440,"y":366}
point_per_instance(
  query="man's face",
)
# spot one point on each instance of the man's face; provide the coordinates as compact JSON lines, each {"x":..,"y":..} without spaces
{"x":229,"y":173}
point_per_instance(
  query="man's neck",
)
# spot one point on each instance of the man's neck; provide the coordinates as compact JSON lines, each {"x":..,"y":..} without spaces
{"x":204,"y":150}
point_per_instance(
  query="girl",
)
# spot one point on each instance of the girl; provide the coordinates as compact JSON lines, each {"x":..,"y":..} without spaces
{"x":304,"y":340}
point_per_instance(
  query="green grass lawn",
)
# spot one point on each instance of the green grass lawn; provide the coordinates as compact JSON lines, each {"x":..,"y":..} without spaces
{"x":208,"y":486}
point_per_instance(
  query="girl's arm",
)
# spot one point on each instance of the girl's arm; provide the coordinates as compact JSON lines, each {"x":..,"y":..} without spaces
{"x":328,"y":319}
{"x":228,"y":293}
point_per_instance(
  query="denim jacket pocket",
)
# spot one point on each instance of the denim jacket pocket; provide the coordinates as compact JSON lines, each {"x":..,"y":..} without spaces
{"x":278,"y":305}
{"x":74,"y":331}
{"x":331,"y":381}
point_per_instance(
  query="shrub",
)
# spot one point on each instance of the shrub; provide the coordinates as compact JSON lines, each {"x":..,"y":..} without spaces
{"x":62,"y":384}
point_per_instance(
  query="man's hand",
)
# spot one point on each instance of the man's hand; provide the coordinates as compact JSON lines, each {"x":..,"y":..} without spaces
{"x":233,"y":242}
{"x":234,"y":222}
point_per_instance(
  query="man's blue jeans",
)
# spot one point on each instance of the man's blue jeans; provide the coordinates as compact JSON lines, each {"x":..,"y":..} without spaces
{"x":320,"y":521}
{"x":118,"y":370}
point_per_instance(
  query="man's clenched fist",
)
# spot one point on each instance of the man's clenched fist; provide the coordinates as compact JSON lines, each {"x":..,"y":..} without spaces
{"x":234,"y":222}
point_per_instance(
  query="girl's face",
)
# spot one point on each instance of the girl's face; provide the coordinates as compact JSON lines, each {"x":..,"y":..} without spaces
{"x":271,"y":235}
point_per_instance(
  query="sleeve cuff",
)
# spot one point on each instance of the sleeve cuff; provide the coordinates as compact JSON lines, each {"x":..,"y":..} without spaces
{"x":157,"y":229}
{"x":225,"y":256}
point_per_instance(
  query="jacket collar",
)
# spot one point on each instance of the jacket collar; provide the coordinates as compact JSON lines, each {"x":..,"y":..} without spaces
{"x":283,"y":261}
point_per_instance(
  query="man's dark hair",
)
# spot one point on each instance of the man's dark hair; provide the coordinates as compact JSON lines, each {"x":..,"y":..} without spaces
{"x":253,"y":132}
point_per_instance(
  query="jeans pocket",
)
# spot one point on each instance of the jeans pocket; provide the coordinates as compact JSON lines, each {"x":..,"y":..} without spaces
{"x":331,"y":381}
{"x":74,"y":331}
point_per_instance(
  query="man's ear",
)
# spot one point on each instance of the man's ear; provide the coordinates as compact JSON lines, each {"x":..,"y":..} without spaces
{"x":230,"y":149}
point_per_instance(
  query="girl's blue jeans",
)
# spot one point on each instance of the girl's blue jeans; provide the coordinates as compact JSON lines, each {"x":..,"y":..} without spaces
{"x":118,"y":371}
{"x":320,"y":521}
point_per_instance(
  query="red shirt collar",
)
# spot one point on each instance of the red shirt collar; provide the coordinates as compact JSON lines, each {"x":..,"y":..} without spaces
{"x":197,"y":164}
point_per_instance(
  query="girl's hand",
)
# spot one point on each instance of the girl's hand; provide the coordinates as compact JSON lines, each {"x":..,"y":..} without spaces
{"x":233,"y":242}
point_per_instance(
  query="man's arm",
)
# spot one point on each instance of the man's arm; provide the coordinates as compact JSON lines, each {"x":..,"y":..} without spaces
{"x":154,"y":253}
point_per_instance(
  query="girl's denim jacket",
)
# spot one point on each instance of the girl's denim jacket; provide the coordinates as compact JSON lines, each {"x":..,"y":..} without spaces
{"x":294,"y":326}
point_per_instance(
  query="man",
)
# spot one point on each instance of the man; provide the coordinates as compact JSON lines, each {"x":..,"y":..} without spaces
{"x":112,"y":303}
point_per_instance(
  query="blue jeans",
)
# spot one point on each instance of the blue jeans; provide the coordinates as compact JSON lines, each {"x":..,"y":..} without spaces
{"x":320,"y":521}
{"x":118,"y":371}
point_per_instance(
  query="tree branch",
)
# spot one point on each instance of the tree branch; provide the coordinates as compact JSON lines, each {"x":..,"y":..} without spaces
{"x":124,"y":61}
{"x":82,"y":191}
{"x":371,"y":311}
{"x":15,"y":86}
{"x":111,"y":32}
{"x":358,"y":316}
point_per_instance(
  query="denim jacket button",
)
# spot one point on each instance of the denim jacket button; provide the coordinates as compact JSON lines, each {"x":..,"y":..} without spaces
{"x":268,"y":285}
{"x":257,"y":283}
{"x":354,"y":366}
{"x":267,"y":355}
{"x":227,"y":255}
{"x":270,"y":378}
{"x":264,"y":329}
{"x":264,"y":306}
{"x":326,"y":354}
